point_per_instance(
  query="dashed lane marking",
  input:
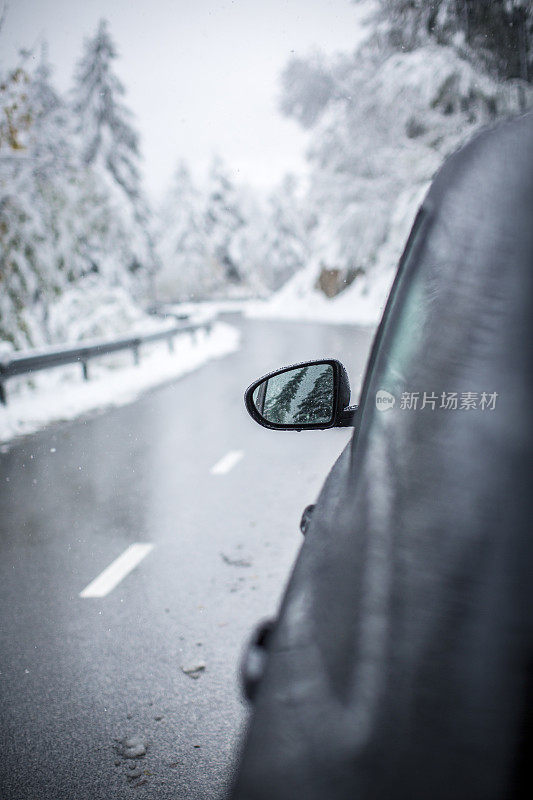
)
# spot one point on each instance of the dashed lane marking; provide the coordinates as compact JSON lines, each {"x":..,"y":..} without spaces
{"x":117,"y":571}
{"x":227,"y":462}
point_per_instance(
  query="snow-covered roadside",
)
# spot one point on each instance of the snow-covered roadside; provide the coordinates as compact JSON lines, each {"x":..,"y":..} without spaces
{"x":358,"y":305}
{"x":361,"y":304}
{"x":61,"y":394}
{"x":205,"y":310}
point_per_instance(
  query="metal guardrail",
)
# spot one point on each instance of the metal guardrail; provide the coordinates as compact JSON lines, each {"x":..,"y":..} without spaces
{"x":24,"y":363}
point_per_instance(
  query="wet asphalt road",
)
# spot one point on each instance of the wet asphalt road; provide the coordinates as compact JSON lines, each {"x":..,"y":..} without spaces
{"x":78,"y":675}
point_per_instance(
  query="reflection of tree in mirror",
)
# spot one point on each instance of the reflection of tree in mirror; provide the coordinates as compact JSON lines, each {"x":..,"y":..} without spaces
{"x":316,"y":406}
{"x":277,"y":407}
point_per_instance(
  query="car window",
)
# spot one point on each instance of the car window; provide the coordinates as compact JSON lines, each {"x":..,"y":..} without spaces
{"x":401,"y":330}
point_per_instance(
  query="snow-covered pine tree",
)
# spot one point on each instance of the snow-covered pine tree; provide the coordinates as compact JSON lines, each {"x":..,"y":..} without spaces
{"x":247,"y":243}
{"x":60,"y":182}
{"x":186,"y":271}
{"x":110,"y":146}
{"x":103,"y":121}
{"x":223,"y":219}
{"x":286,"y":235}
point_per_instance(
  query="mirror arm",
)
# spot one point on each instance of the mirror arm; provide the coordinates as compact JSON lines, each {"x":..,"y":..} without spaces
{"x":347,"y":417}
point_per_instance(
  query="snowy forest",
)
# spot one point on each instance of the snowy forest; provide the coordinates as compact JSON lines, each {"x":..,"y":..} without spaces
{"x":84,"y":252}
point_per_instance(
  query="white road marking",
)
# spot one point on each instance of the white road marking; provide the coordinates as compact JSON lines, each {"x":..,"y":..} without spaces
{"x":116,"y":571}
{"x":227,"y":462}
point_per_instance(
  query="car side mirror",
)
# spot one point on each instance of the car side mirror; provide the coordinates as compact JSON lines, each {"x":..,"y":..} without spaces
{"x":306,"y":396}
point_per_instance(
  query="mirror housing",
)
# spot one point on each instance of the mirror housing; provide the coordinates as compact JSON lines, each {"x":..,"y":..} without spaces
{"x":279,"y":400}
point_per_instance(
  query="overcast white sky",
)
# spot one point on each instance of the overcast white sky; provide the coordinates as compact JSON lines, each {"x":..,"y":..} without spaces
{"x":201,"y":75}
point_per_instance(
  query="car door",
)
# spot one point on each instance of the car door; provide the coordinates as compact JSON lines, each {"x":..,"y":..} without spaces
{"x":400,"y":662}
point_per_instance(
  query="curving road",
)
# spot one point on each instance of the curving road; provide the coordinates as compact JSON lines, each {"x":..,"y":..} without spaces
{"x":146,"y":659}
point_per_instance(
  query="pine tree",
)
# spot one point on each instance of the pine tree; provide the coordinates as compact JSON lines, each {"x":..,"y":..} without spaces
{"x":110,"y":147}
{"x":317,"y":406}
{"x":277,"y":408}
{"x":223,"y":219}
{"x":186,"y":272}
{"x":285,"y":244}
{"x":104,"y":123}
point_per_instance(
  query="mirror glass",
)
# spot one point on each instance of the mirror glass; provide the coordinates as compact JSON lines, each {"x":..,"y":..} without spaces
{"x":301,"y":396}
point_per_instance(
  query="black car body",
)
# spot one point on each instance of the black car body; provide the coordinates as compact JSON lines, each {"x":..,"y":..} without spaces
{"x":400,"y":665}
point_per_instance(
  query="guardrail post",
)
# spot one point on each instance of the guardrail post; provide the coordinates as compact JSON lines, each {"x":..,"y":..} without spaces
{"x":136,"y":355}
{"x":85,"y":369}
{"x":3,"y":395}
{"x":170,"y":341}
